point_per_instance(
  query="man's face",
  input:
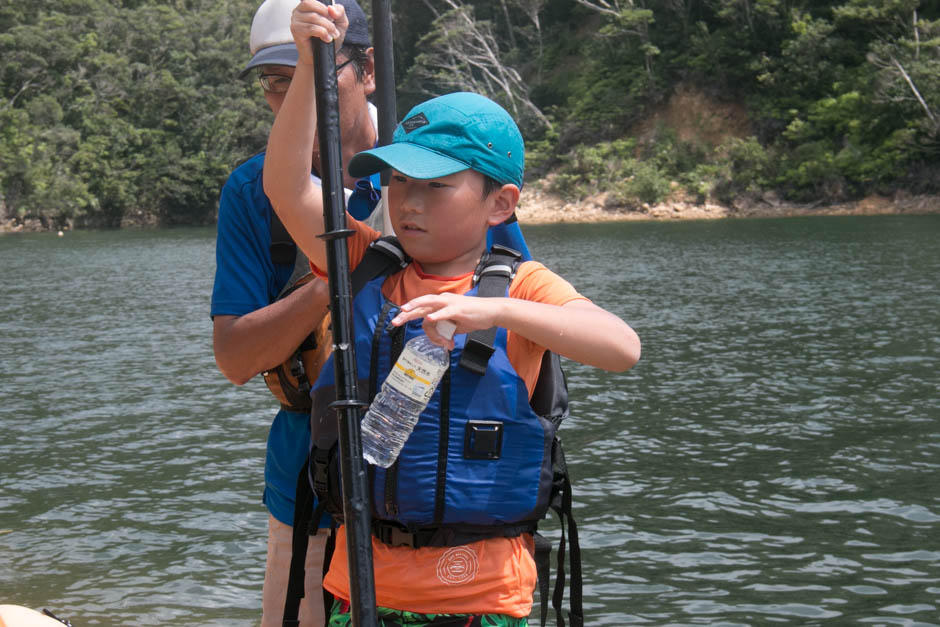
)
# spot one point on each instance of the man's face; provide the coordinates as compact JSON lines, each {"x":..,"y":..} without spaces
{"x":353,"y":94}
{"x":355,"y":123}
{"x":276,"y":77}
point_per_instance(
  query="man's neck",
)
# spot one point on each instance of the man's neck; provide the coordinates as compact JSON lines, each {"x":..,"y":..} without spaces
{"x":363,"y":136}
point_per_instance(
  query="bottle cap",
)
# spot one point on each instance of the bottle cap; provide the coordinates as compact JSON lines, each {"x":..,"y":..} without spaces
{"x":446,"y":328}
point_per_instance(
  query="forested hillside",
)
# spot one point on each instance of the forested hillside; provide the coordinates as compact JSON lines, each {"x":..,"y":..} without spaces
{"x":130,"y":112}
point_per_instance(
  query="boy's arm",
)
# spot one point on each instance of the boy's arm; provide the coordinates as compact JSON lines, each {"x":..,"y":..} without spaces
{"x":578,"y":330}
{"x":288,"y":160}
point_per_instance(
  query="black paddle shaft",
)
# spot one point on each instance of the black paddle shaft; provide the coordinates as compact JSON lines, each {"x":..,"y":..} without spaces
{"x":355,"y":484}
{"x":384,"y":73}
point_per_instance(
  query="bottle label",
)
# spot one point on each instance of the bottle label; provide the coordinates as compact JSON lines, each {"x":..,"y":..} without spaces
{"x":414,"y":376}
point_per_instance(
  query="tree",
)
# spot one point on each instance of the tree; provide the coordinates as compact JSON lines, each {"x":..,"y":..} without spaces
{"x":908,"y":71}
{"x":627,"y":18}
{"x":118,"y":110}
{"x":460,"y":53}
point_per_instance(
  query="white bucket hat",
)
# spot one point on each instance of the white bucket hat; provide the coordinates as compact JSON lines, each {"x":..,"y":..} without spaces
{"x":272,"y":43}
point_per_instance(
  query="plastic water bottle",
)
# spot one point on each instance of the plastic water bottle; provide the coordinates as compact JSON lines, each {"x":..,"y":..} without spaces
{"x":404,"y":395}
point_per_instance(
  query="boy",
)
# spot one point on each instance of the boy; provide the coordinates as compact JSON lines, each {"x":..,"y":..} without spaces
{"x":457,"y":544}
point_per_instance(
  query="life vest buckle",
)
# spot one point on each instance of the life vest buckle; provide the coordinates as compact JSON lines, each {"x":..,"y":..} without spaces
{"x":394,"y":536}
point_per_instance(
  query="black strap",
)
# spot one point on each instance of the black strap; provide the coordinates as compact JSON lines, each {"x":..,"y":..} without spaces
{"x":376,"y":344}
{"x":303,"y":506}
{"x":395,"y":534}
{"x":391,"y":474}
{"x":384,"y":256}
{"x":327,"y":558}
{"x":550,"y":396}
{"x":561,"y":504}
{"x":64,"y":621}
{"x":559,"y":591}
{"x":543,"y":553}
{"x":492,"y":276}
{"x":576,"y":587}
{"x":284,"y":251}
{"x":301,"y":269}
{"x":282,"y":246}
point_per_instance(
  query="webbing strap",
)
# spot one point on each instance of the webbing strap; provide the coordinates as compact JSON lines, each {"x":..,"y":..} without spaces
{"x":282,"y":246}
{"x":327,"y":558}
{"x":383,"y":256}
{"x":320,"y":458}
{"x":492,"y":276}
{"x":374,"y":355}
{"x":303,"y":506}
{"x":575,"y":588}
{"x":395,"y":534}
{"x":301,"y":269}
{"x":562,"y":505}
{"x":543,"y":553}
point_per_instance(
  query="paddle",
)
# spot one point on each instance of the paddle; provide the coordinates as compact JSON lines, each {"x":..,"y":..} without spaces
{"x":355,"y":484}
{"x":384,"y":73}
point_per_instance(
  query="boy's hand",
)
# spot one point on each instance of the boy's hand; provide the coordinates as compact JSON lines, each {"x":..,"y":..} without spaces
{"x":467,"y":312}
{"x":315,"y":20}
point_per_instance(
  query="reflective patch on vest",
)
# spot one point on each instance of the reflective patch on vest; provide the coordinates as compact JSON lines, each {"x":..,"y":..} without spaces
{"x":458,"y":565}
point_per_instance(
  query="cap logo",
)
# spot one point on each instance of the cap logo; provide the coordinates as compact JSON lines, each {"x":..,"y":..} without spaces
{"x":415,"y":121}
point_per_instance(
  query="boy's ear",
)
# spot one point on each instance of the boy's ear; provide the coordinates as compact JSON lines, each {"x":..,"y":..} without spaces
{"x":504,"y":204}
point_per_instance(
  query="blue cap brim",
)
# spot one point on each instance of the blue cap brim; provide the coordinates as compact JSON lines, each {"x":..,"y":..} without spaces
{"x":281,"y":54}
{"x":411,"y":160}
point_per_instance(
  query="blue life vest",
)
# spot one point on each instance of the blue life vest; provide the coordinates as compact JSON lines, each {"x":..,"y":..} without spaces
{"x":483,"y":460}
{"x":479,"y":461}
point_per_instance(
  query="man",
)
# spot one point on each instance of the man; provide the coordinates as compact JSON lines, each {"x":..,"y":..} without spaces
{"x":253,"y":330}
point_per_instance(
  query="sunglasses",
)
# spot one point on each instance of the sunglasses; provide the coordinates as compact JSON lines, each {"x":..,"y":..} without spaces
{"x":278,"y":83}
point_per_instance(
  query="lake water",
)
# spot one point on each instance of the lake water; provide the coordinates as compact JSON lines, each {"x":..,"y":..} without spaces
{"x":773,"y":459}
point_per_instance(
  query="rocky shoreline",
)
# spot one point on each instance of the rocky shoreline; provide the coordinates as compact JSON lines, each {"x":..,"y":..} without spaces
{"x":537,"y":206}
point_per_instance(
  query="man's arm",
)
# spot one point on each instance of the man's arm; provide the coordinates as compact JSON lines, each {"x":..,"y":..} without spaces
{"x":249,"y":344}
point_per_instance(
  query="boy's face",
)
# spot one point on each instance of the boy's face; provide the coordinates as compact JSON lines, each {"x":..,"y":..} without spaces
{"x":442,"y":222}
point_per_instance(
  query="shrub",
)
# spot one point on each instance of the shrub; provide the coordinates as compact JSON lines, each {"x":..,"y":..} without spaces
{"x":611,"y":167}
{"x":648,"y":184}
{"x":736,"y":167}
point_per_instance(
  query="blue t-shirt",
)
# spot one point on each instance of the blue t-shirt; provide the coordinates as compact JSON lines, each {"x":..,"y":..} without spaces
{"x":246,"y":279}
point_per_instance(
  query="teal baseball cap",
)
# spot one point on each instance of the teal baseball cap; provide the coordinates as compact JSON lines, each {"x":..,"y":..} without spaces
{"x":448,"y":134}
